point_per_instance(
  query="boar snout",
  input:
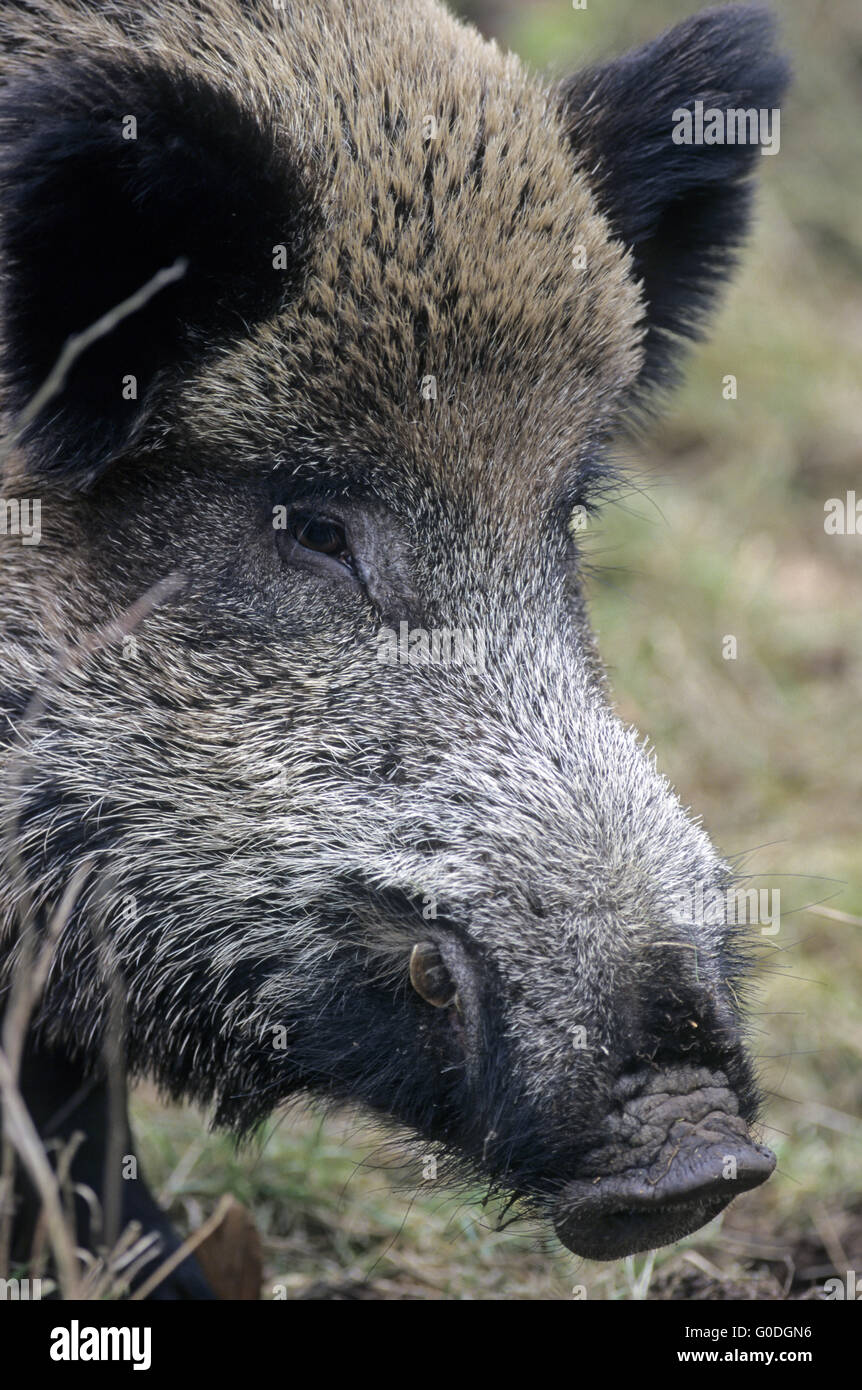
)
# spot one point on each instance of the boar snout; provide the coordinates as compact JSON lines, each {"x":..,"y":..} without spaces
{"x":678,"y":1152}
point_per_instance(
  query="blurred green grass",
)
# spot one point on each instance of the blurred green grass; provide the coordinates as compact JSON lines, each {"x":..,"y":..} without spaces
{"x":720,"y":533}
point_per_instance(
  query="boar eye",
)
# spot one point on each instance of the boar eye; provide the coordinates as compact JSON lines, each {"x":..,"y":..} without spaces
{"x":324,"y":537}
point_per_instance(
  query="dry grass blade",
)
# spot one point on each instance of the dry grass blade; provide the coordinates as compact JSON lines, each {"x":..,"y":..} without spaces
{"x":187,"y":1248}
{"x":78,"y":344}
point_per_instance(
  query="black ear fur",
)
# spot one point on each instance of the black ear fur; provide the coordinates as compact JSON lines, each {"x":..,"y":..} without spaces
{"x":89,"y":217}
{"x":683,"y":209}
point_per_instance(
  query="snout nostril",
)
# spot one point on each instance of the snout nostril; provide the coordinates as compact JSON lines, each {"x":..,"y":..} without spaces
{"x":695,"y":1033}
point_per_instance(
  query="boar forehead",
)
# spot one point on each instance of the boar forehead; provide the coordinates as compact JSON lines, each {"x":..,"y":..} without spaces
{"x":449,"y":257}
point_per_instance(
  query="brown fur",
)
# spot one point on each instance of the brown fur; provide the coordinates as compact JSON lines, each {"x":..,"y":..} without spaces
{"x":471,"y":234}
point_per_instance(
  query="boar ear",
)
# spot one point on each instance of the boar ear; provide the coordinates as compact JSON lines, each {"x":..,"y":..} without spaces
{"x":683,"y":209}
{"x":108,"y":175}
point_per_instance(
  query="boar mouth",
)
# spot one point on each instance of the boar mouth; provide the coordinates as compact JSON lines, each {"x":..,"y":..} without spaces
{"x":648,"y":1190}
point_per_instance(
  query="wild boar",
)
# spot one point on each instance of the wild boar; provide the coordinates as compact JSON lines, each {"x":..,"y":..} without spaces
{"x":316,"y":846}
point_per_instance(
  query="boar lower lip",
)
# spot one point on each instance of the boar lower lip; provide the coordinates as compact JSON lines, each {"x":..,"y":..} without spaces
{"x":692,"y":1179}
